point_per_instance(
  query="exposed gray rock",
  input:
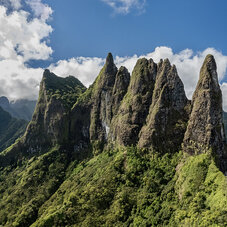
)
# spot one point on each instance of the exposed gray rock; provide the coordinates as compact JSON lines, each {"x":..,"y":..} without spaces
{"x":50,"y":122}
{"x":120,"y":88}
{"x":101,"y":114}
{"x":168,"y":115}
{"x":205,"y":131}
{"x":135,"y":105}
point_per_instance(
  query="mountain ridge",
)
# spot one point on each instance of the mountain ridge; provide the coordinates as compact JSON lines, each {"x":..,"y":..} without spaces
{"x":118,"y":153}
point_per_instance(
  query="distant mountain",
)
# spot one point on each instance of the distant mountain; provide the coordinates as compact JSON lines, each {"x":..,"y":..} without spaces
{"x":127,"y":151}
{"x":21,"y":109}
{"x":225,"y":123}
{"x":10,"y":129}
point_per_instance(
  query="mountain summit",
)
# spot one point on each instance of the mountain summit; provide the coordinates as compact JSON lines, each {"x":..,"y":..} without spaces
{"x":205,"y":131}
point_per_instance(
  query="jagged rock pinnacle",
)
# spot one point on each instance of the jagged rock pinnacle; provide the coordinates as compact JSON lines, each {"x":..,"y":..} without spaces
{"x":205,"y":131}
{"x":135,"y":105}
{"x":120,"y":88}
{"x":109,"y":59}
{"x":49,"y":123}
{"x":165,"y":127}
{"x":101,"y":101}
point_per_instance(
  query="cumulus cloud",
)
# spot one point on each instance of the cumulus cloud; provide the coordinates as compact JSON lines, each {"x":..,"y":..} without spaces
{"x":16,"y":4}
{"x":23,"y":37}
{"x":188,"y":65}
{"x":18,"y":81}
{"x":40,"y":10}
{"x":85,"y":69}
{"x":125,"y":6}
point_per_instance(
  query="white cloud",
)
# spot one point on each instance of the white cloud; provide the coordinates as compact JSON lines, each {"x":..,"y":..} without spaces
{"x":188,"y":63}
{"x":19,"y":81}
{"x":125,"y":6}
{"x":22,"y":38}
{"x":85,"y":69}
{"x":41,"y":10}
{"x":16,"y":4}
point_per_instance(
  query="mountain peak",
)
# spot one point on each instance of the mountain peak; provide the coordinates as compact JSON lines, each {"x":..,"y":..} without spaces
{"x":165,"y":125}
{"x":135,"y":104}
{"x":208,"y":73}
{"x":205,"y":130}
{"x":167,"y":62}
{"x":47,"y":73}
{"x":109,"y":67}
{"x":210,"y":62}
{"x":4,"y":102}
{"x":109,"y":59}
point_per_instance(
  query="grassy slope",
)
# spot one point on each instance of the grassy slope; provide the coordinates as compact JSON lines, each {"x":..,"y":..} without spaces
{"x":116,"y":188}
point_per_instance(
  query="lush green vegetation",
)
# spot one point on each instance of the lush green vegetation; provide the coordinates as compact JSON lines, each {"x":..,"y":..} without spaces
{"x":121,"y":187}
{"x":10,"y":129}
{"x":65,"y":89}
{"x":25,"y":188}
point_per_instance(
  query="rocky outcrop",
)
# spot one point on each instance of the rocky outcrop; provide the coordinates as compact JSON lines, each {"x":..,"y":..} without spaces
{"x":50,"y":122}
{"x":92,"y":115}
{"x":101,"y":109}
{"x":135,"y":104}
{"x":205,"y":131}
{"x":149,"y":110}
{"x":120,"y":88}
{"x":169,"y":111}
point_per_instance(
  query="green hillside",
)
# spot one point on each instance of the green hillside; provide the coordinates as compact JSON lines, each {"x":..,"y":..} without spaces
{"x":121,"y":187}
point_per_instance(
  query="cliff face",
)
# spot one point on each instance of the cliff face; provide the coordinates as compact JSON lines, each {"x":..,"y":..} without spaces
{"x":168,"y":115}
{"x":50,"y":121}
{"x":92,"y":115}
{"x":149,"y":110}
{"x":101,"y":114}
{"x":205,"y":131}
{"x":135,"y":104}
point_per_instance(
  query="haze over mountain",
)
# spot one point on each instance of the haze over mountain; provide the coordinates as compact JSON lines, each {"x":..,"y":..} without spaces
{"x":130,"y":151}
{"x":10,"y":129}
{"x":21,"y":108}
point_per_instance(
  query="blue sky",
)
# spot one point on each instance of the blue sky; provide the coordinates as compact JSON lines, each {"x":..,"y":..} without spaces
{"x":73,"y":37}
{"x":92,"y":28}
